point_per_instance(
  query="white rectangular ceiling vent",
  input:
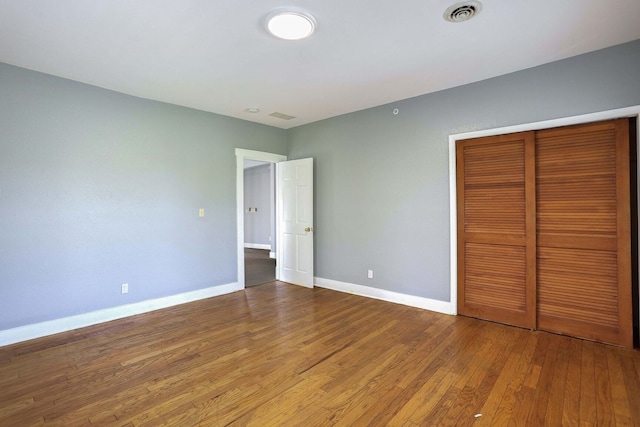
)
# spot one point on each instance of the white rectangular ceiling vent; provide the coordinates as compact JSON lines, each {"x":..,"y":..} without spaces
{"x":282,"y":116}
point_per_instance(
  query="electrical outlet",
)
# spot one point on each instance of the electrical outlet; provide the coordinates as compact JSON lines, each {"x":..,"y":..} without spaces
{"x":369,"y":274}
{"x":124,"y":288}
{"x":201,"y":213}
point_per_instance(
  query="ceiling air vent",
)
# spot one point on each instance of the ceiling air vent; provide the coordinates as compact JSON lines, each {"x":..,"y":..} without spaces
{"x":461,"y":12}
{"x":282,"y":116}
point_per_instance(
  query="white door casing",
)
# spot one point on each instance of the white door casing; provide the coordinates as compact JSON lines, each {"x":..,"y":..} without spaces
{"x":294,"y":208}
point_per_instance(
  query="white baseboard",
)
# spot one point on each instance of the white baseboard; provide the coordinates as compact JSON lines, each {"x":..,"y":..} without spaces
{"x":272,"y":255}
{"x":257,"y":246}
{"x":381,"y":294}
{"x":37,"y":330}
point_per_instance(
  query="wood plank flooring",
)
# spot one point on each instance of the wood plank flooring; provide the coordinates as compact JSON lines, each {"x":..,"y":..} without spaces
{"x":281,"y":355}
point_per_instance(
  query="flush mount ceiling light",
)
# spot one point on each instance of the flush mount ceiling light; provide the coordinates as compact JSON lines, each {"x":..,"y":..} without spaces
{"x":291,"y":25}
{"x":461,"y":12}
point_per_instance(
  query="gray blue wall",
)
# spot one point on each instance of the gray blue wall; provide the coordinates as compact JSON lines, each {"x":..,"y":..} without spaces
{"x":382,"y":180}
{"x":99,"y":188}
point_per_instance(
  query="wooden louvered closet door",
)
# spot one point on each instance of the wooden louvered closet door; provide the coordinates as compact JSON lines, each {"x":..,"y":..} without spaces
{"x":584,"y":234}
{"x":544,"y":230}
{"x":496,"y":228}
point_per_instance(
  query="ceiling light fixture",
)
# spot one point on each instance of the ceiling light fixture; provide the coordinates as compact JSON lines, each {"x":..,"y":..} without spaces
{"x":252,"y":110}
{"x":291,"y":25}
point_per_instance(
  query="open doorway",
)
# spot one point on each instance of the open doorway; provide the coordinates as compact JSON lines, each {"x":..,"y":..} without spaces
{"x":259,"y":222}
{"x":294,"y":217}
{"x":266,"y":258}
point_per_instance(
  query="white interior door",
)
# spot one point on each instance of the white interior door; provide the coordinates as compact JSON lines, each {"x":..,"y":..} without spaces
{"x":295,"y":221}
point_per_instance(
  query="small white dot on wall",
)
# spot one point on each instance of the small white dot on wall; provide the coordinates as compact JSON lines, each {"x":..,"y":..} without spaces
{"x":396,"y":111}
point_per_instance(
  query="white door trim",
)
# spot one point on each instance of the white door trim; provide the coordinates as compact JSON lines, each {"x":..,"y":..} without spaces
{"x":241,"y":155}
{"x":565,"y":121}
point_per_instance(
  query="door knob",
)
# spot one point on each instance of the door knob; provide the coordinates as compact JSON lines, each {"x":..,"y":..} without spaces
{"x":308,"y":229}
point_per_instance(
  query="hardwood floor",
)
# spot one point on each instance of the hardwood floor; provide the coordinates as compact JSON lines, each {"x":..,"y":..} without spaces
{"x":280,"y":355}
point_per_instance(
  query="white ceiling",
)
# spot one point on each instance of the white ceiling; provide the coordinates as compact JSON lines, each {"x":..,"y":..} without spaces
{"x":215,"y":55}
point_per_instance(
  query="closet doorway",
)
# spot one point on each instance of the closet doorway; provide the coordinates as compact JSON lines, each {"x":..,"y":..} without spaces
{"x":544,"y":229}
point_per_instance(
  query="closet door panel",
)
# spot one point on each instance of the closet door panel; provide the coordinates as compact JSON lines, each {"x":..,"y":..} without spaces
{"x":495,"y":281}
{"x":575,"y":298}
{"x":583,"y":250}
{"x":496,"y":231}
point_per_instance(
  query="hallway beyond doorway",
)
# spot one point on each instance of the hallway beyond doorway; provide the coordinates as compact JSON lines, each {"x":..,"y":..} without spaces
{"x":258,"y":267}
